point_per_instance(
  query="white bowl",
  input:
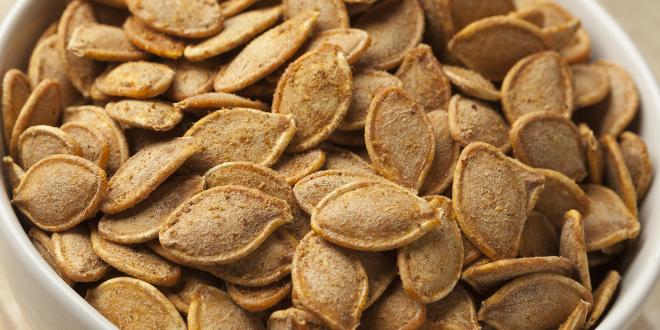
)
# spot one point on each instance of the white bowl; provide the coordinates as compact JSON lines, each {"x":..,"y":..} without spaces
{"x":48,"y":303}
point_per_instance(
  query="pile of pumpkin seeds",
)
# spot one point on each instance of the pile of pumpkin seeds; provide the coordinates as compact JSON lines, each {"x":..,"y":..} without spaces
{"x":327,"y":164}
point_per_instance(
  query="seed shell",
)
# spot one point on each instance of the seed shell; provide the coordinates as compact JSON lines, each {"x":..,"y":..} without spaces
{"x":189,"y":19}
{"x":13,"y":173}
{"x":294,"y":318}
{"x":591,"y":84}
{"x":352,"y":42}
{"x":145,"y":114}
{"x":593,"y":154}
{"x":638,"y":161}
{"x":138,"y":80}
{"x":608,"y":220}
{"x":103,"y":43}
{"x":206,"y":103}
{"x":394,"y":310}
{"x":617,"y":175}
{"x":332,"y":13}
{"x":45,"y":63}
{"x":559,"y":195}
{"x":41,"y":141}
{"x":152,"y":41}
{"x":75,"y":256}
{"x":477,"y":121}
{"x":471,"y":83}
{"x":310,"y":190}
{"x":366,"y":83}
{"x":572,"y":246}
{"x":44,"y":246}
{"x":422,"y":76}
{"x":539,"y":237}
{"x":15,"y":92}
{"x":258,"y":299}
{"x":294,"y":167}
{"x":578,"y":317}
{"x":210,"y":304}
{"x":455,"y":311}
{"x":92,"y":143}
{"x":602,"y":296}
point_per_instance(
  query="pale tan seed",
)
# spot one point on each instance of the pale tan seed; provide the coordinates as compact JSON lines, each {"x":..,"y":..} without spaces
{"x":608,"y":220}
{"x":488,"y":276}
{"x":258,"y":299}
{"x":465,"y":12}
{"x":152,"y":41}
{"x":130,"y":303}
{"x":399,"y":138}
{"x":265,"y":54}
{"x":373,"y":216}
{"x":138,"y":80}
{"x":394,"y":310}
{"x":638,"y":161}
{"x":294,"y":318}
{"x":237,"y":31}
{"x":103,"y":43}
{"x":329,"y":281}
{"x":394,"y":27}
{"x":189,"y":19}
{"x":75,"y":256}
{"x":559,"y":195}
{"x":578,"y":317}
{"x":43,"y":107}
{"x":344,"y":160}
{"x":447,"y":151}
{"x":488,"y":186}
{"x":45,"y":63}
{"x":248,"y":218}
{"x":455,"y":311}
{"x":210,"y":304}
{"x":603,"y":296}
{"x":60,"y":191}
{"x":593,"y":154}
{"x":294,"y":167}
{"x":145,"y":114}
{"x":366,"y":83}
{"x":353,"y":42}
{"x":332,"y":13}
{"x":549,"y":140}
{"x":97,"y":119}
{"x":617,"y":175}
{"x":12,"y":173}
{"x":539,"y":82}
{"x":310,"y":190}
{"x":537,"y":300}
{"x":493,"y":45}
{"x":240,"y":134}
{"x":231,"y":8}
{"x":191,"y":79}
{"x":141,"y":223}
{"x":477,"y":121}
{"x":590,"y":84}
{"x":15,"y":92}
{"x":136,"y":260}
{"x":41,"y":141}
{"x":325,"y":74}
{"x":203,"y":104}
{"x":572,"y":246}
{"x":422,"y":76}
{"x":539,"y":237}
{"x":44,"y":246}
{"x":471,"y":83}
{"x":92,"y":143}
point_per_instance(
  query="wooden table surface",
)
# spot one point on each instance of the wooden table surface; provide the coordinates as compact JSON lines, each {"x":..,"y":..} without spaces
{"x":640,"y":18}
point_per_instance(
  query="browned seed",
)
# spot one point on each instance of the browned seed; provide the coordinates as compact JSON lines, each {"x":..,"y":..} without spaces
{"x":13,"y":173}
{"x":206,"y":103}
{"x":394,"y":27}
{"x":294,"y":167}
{"x":310,"y":190}
{"x":97,"y":119}
{"x":422,"y":76}
{"x":394,"y":310}
{"x":257,"y":299}
{"x":45,"y":63}
{"x":455,"y":311}
{"x":539,"y":82}
{"x":608,"y":220}
{"x":559,"y":36}
{"x":366,"y":83}
{"x":539,"y":237}
{"x":578,"y":50}
{"x":237,"y":31}
{"x":493,"y":45}
{"x":75,"y":256}
{"x":477,"y":121}
{"x":231,"y":8}
{"x":344,"y":160}
{"x":294,"y":318}
{"x":332,"y":13}
{"x":191,"y":79}
{"x":41,"y":141}
{"x":182,"y":294}
{"x":15,"y":92}
{"x":381,"y":271}
{"x":531,"y":301}
{"x":638,"y":161}
{"x":578,"y":317}
{"x":139,"y":80}
{"x":60,"y":191}
{"x":572,"y":246}
{"x":130,"y":303}
{"x":399,"y":138}
{"x":617,"y":175}
{"x":470,"y":252}
{"x":92,"y":143}
{"x":146,"y":114}
{"x":329,"y":281}
{"x":41,"y":108}
{"x":549,"y":140}
{"x":590,"y":84}
{"x":603,"y":296}
{"x":149,"y":40}
{"x":471,"y":83}
{"x":488,"y":276}
{"x":532,"y":15}
{"x":488,"y":185}
{"x":266,"y":53}
{"x":439,"y":26}
{"x":353,"y":42}
{"x":210,"y":304}
{"x":360,"y":216}
{"x":190,"y":19}
{"x":441,"y":248}
{"x":249,"y":217}
{"x":559,"y":195}
{"x":240,"y":134}
{"x":465,"y":12}
{"x":103,"y":43}
{"x":325,"y":74}
{"x":347,"y":138}
{"x":141,"y":138}
{"x":136,"y":260}
{"x":142,"y":222}
{"x":44,"y":246}
{"x":593,"y":154}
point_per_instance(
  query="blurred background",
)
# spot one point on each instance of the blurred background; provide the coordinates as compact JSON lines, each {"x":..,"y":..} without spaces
{"x":640,"y":19}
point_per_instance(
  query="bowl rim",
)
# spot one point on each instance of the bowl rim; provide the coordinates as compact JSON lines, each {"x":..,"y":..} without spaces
{"x":619,"y":316}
